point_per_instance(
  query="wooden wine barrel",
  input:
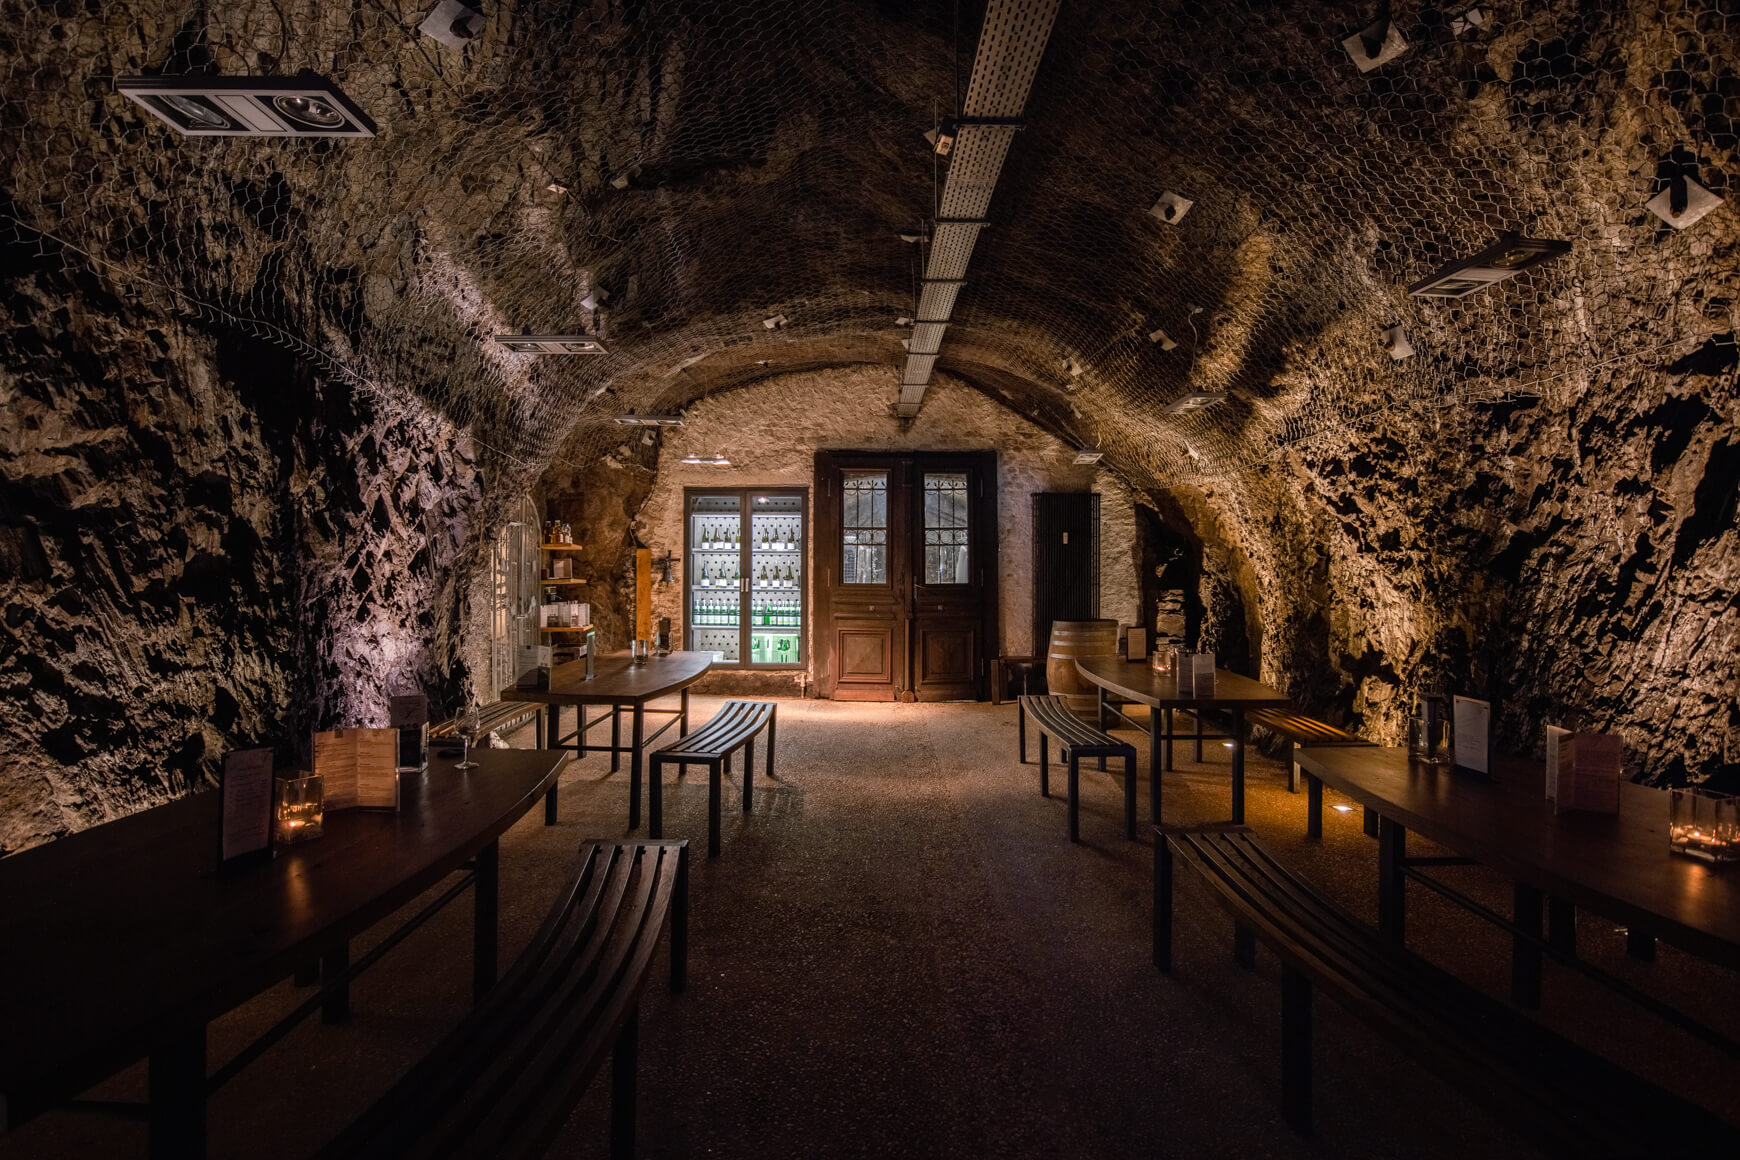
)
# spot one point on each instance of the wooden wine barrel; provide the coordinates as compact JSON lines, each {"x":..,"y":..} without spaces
{"x":1070,"y":641}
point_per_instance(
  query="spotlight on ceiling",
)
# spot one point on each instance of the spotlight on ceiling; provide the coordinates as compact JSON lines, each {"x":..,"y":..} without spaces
{"x":909,"y":239}
{"x":452,"y":23}
{"x":777,"y":322}
{"x":1088,"y":456}
{"x":903,"y":321}
{"x":304,"y":105}
{"x":1505,"y":258}
{"x":631,"y":419}
{"x":1396,"y":342}
{"x":1376,"y":44}
{"x":1166,"y":341}
{"x":1467,"y":21}
{"x":1683,"y":202}
{"x":1170,"y":207}
{"x":556,"y":187}
{"x":1194,"y":401}
{"x":550,"y":344}
{"x":708,"y":460}
{"x":942,"y":138}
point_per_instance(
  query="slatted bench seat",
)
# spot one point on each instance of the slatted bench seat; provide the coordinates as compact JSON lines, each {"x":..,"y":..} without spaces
{"x":732,"y":728}
{"x":495,"y":716}
{"x":1563,"y":1096}
{"x":502,"y":1083}
{"x":1297,"y":730}
{"x":1075,"y":739}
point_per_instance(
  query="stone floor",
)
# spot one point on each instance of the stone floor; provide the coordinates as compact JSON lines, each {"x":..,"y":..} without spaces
{"x":899,"y":954}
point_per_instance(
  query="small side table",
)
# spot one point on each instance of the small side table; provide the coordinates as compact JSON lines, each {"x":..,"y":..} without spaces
{"x":1003,"y":667}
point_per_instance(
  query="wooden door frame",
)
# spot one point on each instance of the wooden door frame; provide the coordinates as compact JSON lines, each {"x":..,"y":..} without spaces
{"x":825,"y":543}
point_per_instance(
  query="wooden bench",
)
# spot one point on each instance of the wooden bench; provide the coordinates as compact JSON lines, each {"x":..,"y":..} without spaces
{"x":502,"y":1083}
{"x":1563,"y":1096}
{"x":493,"y":717}
{"x":1075,"y":739}
{"x":1297,"y":730}
{"x":732,"y":728}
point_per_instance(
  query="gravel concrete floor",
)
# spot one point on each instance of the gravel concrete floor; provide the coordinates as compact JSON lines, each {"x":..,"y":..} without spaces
{"x":899,"y":954}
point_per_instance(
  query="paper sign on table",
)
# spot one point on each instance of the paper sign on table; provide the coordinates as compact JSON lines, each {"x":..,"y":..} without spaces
{"x":1555,"y":737}
{"x":358,"y":768}
{"x":532,"y":667}
{"x":1589,"y":773}
{"x":1203,"y":684}
{"x":1471,"y":741}
{"x":246,"y":792}
{"x":410,"y":716}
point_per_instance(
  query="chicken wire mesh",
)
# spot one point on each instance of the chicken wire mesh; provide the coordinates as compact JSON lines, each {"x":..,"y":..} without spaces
{"x":717,"y":191}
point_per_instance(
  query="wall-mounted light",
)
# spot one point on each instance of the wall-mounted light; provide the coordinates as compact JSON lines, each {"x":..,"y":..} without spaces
{"x":1396,"y":342}
{"x":708,"y":460}
{"x":630,"y":419}
{"x":304,"y":105}
{"x":550,"y":344}
{"x":1505,"y":258}
{"x":452,"y":23}
{"x":1166,"y":341}
{"x":1376,"y":44}
{"x":1085,"y":457}
{"x":777,"y":322}
{"x":1682,"y":202}
{"x":1468,"y":21}
{"x":1171,"y":207}
{"x":1194,"y":401}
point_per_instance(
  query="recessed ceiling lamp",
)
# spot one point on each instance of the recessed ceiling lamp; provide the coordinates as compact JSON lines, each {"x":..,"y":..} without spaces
{"x":1376,"y":44}
{"x":304,"y":105}
{"x":550,"y":344}
{"x":1468,"y":21}
{"x":633,"y":420}
{"x":1194,"y":401}
{"x":1166,"y":341}
{"x":708,"y":460}
{"x":777,"y":322}
{"x":1396,"y":342}
{"x":1505,"y":258}
{"x":1170,"y":207}
{"x":452,"y":23}
{"x":1088,"y":456}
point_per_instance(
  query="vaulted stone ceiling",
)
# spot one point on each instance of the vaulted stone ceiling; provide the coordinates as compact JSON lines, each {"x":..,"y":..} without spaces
{"x":1538,"y":501}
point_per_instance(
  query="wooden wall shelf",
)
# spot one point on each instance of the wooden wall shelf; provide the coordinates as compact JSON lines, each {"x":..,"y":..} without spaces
{"x":570,"y":581}
{"x":580,"y":628}
{"x":563,"y":547}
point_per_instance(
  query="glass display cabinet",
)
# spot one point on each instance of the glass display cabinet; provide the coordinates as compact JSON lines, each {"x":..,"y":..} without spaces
{"x":744,"y":553}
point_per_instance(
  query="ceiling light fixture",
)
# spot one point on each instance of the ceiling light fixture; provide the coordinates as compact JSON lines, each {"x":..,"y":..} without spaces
{"x":1468,"y":21}
{"x":1683,"y":202}
{"x":1085,"y":457}
{"x":1170,"y":207}
{"x":1505,"y":258}
{"x":304,"y":105}
{"x":776,"y":322}
{"x":630,"y":419}
{"x":1396,"y":342}
{"x":1194,"y":401}
{"x":1376,"y":44}
{"x":550,"y":344}
{"x":708,"y":460}
{"x":453,"y":23}
{"x":1166,"y":341}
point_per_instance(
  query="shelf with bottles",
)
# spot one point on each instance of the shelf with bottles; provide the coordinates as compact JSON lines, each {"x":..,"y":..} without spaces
{"x":777,"y":531}
{"x":721,"y":577}
{"x":766,"y":577}
{"x":774,"y":648}
{"x":722,"y":611}
{"x":722,"y":642}
{"x":774,"y":612}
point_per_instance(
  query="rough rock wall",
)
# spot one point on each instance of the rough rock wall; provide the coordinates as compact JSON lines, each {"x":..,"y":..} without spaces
{"x":771,"y":432}
{"x":202,"y":547}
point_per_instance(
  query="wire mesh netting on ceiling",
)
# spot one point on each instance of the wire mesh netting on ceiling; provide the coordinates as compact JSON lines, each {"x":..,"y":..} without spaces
{"x":716,"y":191}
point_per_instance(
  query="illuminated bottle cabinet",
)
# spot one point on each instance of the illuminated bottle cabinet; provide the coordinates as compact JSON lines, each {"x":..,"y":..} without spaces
{"x":744,"y":574}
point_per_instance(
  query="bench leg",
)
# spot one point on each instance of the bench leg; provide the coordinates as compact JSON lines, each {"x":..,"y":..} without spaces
{"x":996,"y":681}
{"x":1525,"y":956}
{"x":1100,"y":718}
{"x":1370,"y":822}
{"x":1074,"y":797}
{"x":1238,"y":762}
{"x":175,"y":1082}
{"x":683,"y":717}
{"x":1562,"y":925}
{"x":1197,"y":717}
{"x":1130,"y":797}
{"x":1244,"y":947}
{"x":655,"y":798}
{"x":1044,"y":765}
{"x":307,"y":973}
{"x":486,"y":907}
{"x":624,"y":1063}
{"x":335,"y":1008}
{"x":1295,"y":1048}
{"x":772,"y":728}
{"x":1162,"y":903}
{"x":1313,"y":807}
{"x":1292,"y":767}
{"x":549,"y":731}
{"x":715,"y":774}
{"x":1392,"y":853}
{"x":748,"y":775}
{"x":1021,"y":731}
{"x":680,"y":925}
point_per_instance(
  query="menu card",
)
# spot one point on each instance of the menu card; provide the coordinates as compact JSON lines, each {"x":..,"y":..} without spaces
{"x":1471,"y":740}
{"x":246,"y":807}
{"x":1136,"y":642}
{"x":532,"y":667}
{"x":1184,"y":672}
{"x":1588,"y":773}
{"x":1203,"y":683}
{"x":359,"y":768}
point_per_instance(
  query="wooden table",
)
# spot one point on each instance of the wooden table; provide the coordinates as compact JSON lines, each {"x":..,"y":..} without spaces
{"x":122,"y":944}
{"x":618,"y":683}
{"x":1617,"y":865}
{"x":1139,"y":682}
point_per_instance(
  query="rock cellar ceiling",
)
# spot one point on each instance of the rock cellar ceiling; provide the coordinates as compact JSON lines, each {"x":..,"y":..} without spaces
{"x":257,"y":432}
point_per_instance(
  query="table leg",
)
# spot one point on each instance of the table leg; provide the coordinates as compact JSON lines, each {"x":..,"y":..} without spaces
{"x":1313,"y":807}
{"x":1392,"y":853}
{"x":336,"y":1007}
{"x":1525,"y":955}
{"x":540,"y":740}
{"x":553,"y":730}
{"x":1168,"y":716}
{"x":485,"y":917}
{"x":1154,"y":745}
{"x":1238,"y":770}
{"x":1562,"y":925}
{"x":655,"y":799}
{"x":683,"y":719}
{"x":996,"y":680}
{"x":1100,"y":708}
{"x":616,"y":752}
{"x":176,"y":1084}
{"x":1197,"y":717}
{"x":634,"y":760}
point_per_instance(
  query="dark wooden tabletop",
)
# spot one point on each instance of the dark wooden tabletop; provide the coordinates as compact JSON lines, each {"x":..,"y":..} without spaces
{"x":1617,"y":865}
{"x":1137,"y":681}
{"x":617,"y":681}
{"x":119,"y":934}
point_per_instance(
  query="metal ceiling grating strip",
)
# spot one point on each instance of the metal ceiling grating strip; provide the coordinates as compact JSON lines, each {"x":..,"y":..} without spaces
{"x":938,"y":299}
{"x":928,"y":335}
{"x":950,"y":250}
{"x":919,"y":366}
{"x":1010,"y":47}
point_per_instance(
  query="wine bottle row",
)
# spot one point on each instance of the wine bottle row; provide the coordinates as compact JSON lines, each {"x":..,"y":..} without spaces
{"x":716,"y":610}
{"x":727,"y":576}
{"x":777,"y":614}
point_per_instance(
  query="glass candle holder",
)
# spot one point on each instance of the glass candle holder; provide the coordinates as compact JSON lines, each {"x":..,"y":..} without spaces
{"x":1704,"y":825}
{"x":639,"y":651}
{"x":298,"y":808}
{"x":1160,"y":660}
{"x":1428,"y":740}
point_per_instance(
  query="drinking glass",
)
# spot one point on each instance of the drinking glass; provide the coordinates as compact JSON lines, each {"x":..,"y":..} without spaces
{"x":639,"y":651}
{"x":468,"y":728}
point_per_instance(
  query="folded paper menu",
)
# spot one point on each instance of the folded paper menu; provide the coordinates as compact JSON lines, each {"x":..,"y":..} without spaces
{"x":358,"y":768}
{"x":246,"y":792}
{"x":1471,"y":740}
{"x":1583,"y":771}
{"x":1203,"y":683}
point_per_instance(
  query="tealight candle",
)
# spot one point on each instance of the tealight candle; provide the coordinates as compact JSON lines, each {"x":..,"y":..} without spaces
{"x":1704,"y":825}
{"x":299,"y":810}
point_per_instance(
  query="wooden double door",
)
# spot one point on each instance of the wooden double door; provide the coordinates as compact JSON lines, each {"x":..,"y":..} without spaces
{"x":904,"y":561}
